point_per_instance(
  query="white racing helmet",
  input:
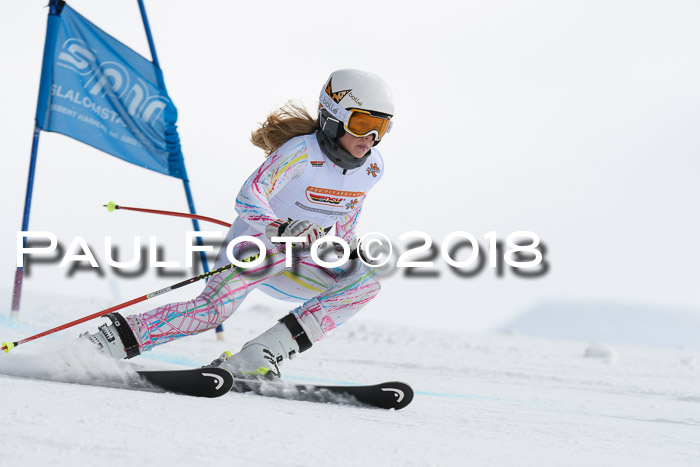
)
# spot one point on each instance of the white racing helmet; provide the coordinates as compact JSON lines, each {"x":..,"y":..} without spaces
{"x":357,"y":102}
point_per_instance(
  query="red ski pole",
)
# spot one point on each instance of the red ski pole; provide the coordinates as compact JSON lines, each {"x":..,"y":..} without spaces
{"x":111,"y":206}
{"x":7,"y":346}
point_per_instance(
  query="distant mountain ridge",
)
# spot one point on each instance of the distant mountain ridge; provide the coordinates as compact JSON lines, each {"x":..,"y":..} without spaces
{"x":611,"y":323}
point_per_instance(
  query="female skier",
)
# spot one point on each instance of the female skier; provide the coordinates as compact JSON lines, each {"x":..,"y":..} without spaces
{"x":316,"y":176}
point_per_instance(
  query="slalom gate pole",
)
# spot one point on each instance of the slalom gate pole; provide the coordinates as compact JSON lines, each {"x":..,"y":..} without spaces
{"x":19,"y":273}
{"x":186,"y":184}
{"x":7,"y":346}
{"x":111,"y":206}
{"x":53,"y":20}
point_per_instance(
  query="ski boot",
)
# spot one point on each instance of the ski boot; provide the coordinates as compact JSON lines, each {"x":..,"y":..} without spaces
{"x":261,"y":357}
{"x":115,"y":340}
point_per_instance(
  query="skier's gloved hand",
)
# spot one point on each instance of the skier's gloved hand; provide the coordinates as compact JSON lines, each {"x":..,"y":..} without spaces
{"x":309,"y":231}
{"x":357,"y":251}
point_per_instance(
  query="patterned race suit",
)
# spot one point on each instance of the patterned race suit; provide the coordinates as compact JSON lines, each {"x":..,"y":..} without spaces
{"x":299,"y":182}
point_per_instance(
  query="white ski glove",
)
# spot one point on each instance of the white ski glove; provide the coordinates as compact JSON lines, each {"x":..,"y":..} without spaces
{"x":300,"y":228}
{"x":356,"y":250}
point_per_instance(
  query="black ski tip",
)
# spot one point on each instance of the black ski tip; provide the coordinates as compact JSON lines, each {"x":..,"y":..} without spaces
{"x":198,"y":382}
{"x":393,"y":395}
{"x":390,"y":395}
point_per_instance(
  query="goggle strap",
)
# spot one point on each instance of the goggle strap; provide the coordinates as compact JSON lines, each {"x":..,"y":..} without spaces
{"x":332,"y":127}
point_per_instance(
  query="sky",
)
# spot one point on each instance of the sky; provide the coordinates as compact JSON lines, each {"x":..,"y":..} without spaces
{"x":576,"y":120}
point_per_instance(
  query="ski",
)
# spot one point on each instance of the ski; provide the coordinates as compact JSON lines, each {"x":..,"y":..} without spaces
{"x":389,"y":395}
{"x":198,"y":382}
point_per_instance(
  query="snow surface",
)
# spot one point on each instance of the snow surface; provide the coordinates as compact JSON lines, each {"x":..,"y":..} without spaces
{"x":480,"y":400}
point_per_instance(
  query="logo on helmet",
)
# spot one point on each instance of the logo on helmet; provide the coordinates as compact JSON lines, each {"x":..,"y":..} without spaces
{"x":336,"y":96}
{"x":356,"y":99}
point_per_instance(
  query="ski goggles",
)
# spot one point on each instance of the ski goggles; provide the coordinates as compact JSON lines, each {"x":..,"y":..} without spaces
{"x":362,"y":123}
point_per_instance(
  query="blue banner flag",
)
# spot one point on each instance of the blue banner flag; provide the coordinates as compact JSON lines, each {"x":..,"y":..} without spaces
{"x":104,"y":94}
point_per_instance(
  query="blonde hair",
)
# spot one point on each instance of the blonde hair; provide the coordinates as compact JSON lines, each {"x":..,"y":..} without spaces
{"x":290,"y":120}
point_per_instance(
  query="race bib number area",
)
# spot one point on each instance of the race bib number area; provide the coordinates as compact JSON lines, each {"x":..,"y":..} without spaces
{"x":347,"y":200}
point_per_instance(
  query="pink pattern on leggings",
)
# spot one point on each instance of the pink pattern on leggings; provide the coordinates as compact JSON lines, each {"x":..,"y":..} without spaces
{"x":346,"y":293}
